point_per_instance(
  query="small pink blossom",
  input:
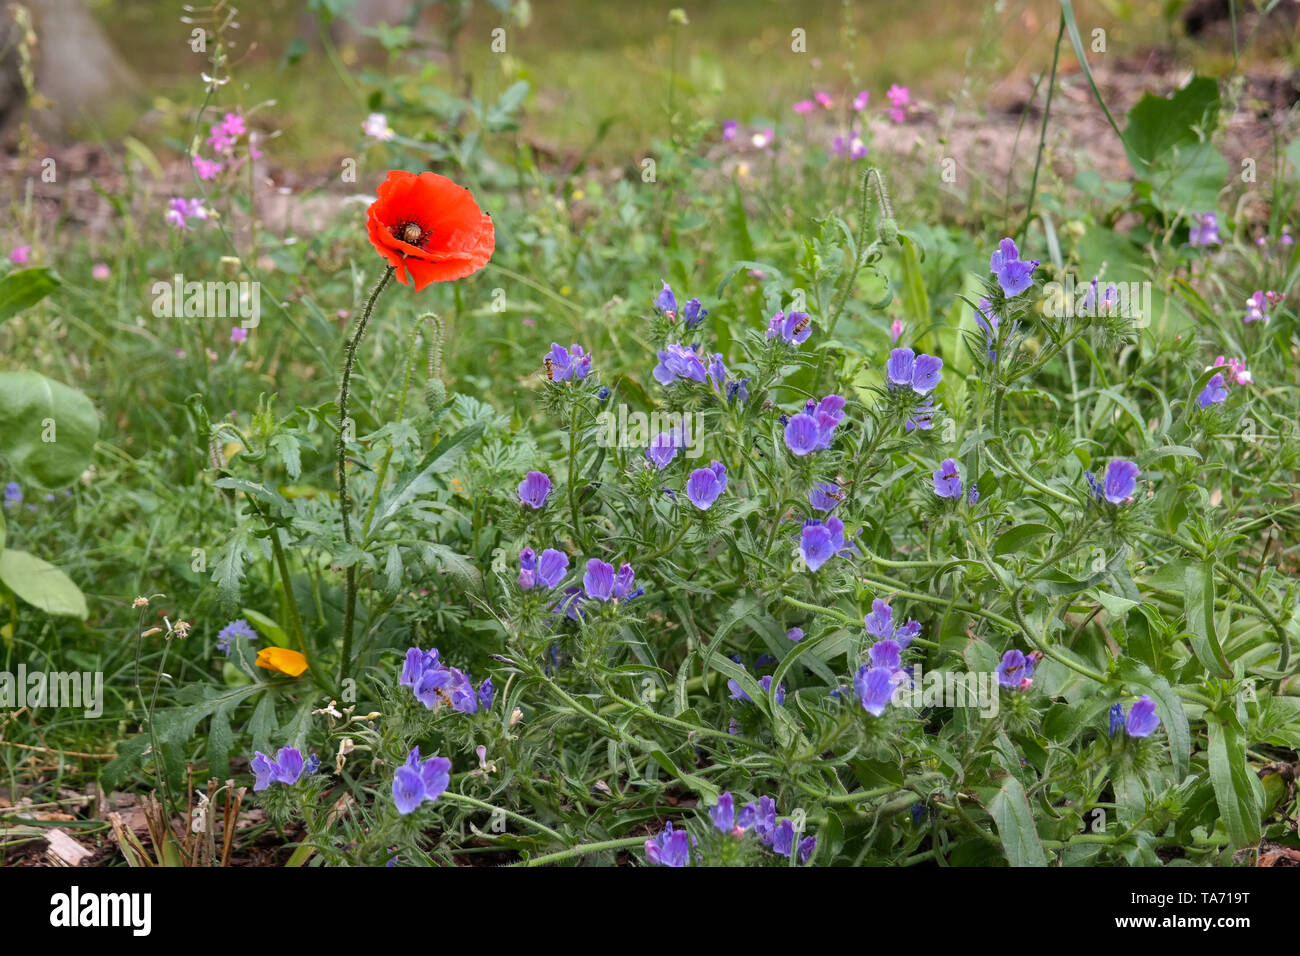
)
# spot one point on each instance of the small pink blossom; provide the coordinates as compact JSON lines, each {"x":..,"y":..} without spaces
{"x":100,"y":272}
{"x":896,"y":328}
{"x":803,"y":107}
{"x":824,"y":98}
{"x":898,"y":95}
{"x":376,"y":127}
{"x":21,"y":255}
{"x":852,"y":147}
{"x":206,"y":168}
{"x":239,"y":334}
{"x":180,"y":211}
{"x":233,"y":125}
{"x":1236,"y":367}
{"x":861,"y":100}
{"x":900,"y":98}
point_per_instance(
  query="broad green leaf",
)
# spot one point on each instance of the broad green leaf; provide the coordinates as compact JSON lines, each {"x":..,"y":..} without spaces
{"x":916,"y":302}
{"x":1010,"y":811}
{"x":1198,"y":607}
{"x":267,"y":627}
{"x":1234,"y":784}
{"x":1009,"y":542}
{"x":47,"y":430}
{"x":41,"y":584}
{"x":23,"y":289}
{"x":1164,"y":143}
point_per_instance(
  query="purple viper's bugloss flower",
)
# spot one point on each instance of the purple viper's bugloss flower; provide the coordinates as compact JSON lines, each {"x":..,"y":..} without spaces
{"x":783,"y":838}
{"x":692,"y":313}
{"x":527,"y":565}
{"x":1121,"y":480}
{"x":623,"y":581}
{"x":1216,"y":390}
{"x":408,"y":789}
{"x":903,"y":635}
{"x":1014,"y":274}
{"x":598,"y":582}
{"x":825,"y":495}
{"x":821,"y":541}
{"x":947,"y":479}
{"x":801,"y":435}
{"x":759,"y":817}
{"x":795,"y":634}
{"x":486,"y":693}
{"x":1116,"y":718}
{"x":665,"y":301}
{"x":552,"y":568}
{"x":886,"y":654}
{"x":738,"y":693}
{"x":716,"y":370}
{"x":806,"y":848}
{"x":663,"y":448}
{"x":669,"y":848}
{"x":793,"y":328}
{"x":562,"y":364}
{"x":875,"y":687}
{"x":723,"y":813}
{"x":1014,"y":670}
{"x":1142,"y":719}
{"x":534,"y":489}
{"x":433,"y":687}
{"x":286,"y":768}
{"x":416,"y":781}
{"x":417,"y":662}
{"x":1205,"y":231}
{"x":678,"y":361}
{"x":880,"y":624}
{"x":921,"y":373}
{"x":898,"y":368}
{"x":706,"y":484}
{"x":926,"y":373}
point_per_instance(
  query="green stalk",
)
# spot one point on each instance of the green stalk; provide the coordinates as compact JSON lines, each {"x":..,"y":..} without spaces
{"x":345,"y":503}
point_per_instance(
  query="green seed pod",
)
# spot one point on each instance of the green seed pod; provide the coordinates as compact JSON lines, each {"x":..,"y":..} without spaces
{"x":888,"y":231}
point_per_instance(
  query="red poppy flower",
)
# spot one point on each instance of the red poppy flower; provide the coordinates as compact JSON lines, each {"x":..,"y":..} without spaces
{"x":429,"y":229}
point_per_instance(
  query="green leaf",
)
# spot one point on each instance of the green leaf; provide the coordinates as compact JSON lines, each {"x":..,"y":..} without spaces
{"x":1198,"y":608}
{"x":1157,"y":124}
{"x":1076,"y":41}
{"x":1018,"y":537}
{"x":47,"y":430}
{"x":22,"y":290}
{"x":1234,"y":784}
{"x":267,"y":627}
{"x":916,"y":301}
{"x":1010,"y":811}
{"x":1164,"y":142}
{"x":41,"y":584}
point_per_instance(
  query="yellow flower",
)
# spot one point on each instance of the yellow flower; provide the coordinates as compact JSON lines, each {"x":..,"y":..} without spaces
{"x":282,"y":661}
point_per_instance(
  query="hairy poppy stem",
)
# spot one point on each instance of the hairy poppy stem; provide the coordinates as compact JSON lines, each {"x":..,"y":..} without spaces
{"x":345,"y":503}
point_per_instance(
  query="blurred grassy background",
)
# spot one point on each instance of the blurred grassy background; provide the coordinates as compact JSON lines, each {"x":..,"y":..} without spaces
{"x":589,"y":61}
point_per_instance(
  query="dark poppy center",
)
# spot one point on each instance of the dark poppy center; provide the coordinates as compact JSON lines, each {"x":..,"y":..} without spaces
{"x":412,"y":233}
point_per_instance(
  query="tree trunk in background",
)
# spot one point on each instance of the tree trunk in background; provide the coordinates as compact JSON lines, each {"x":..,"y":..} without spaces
{"x":77,"y":69}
